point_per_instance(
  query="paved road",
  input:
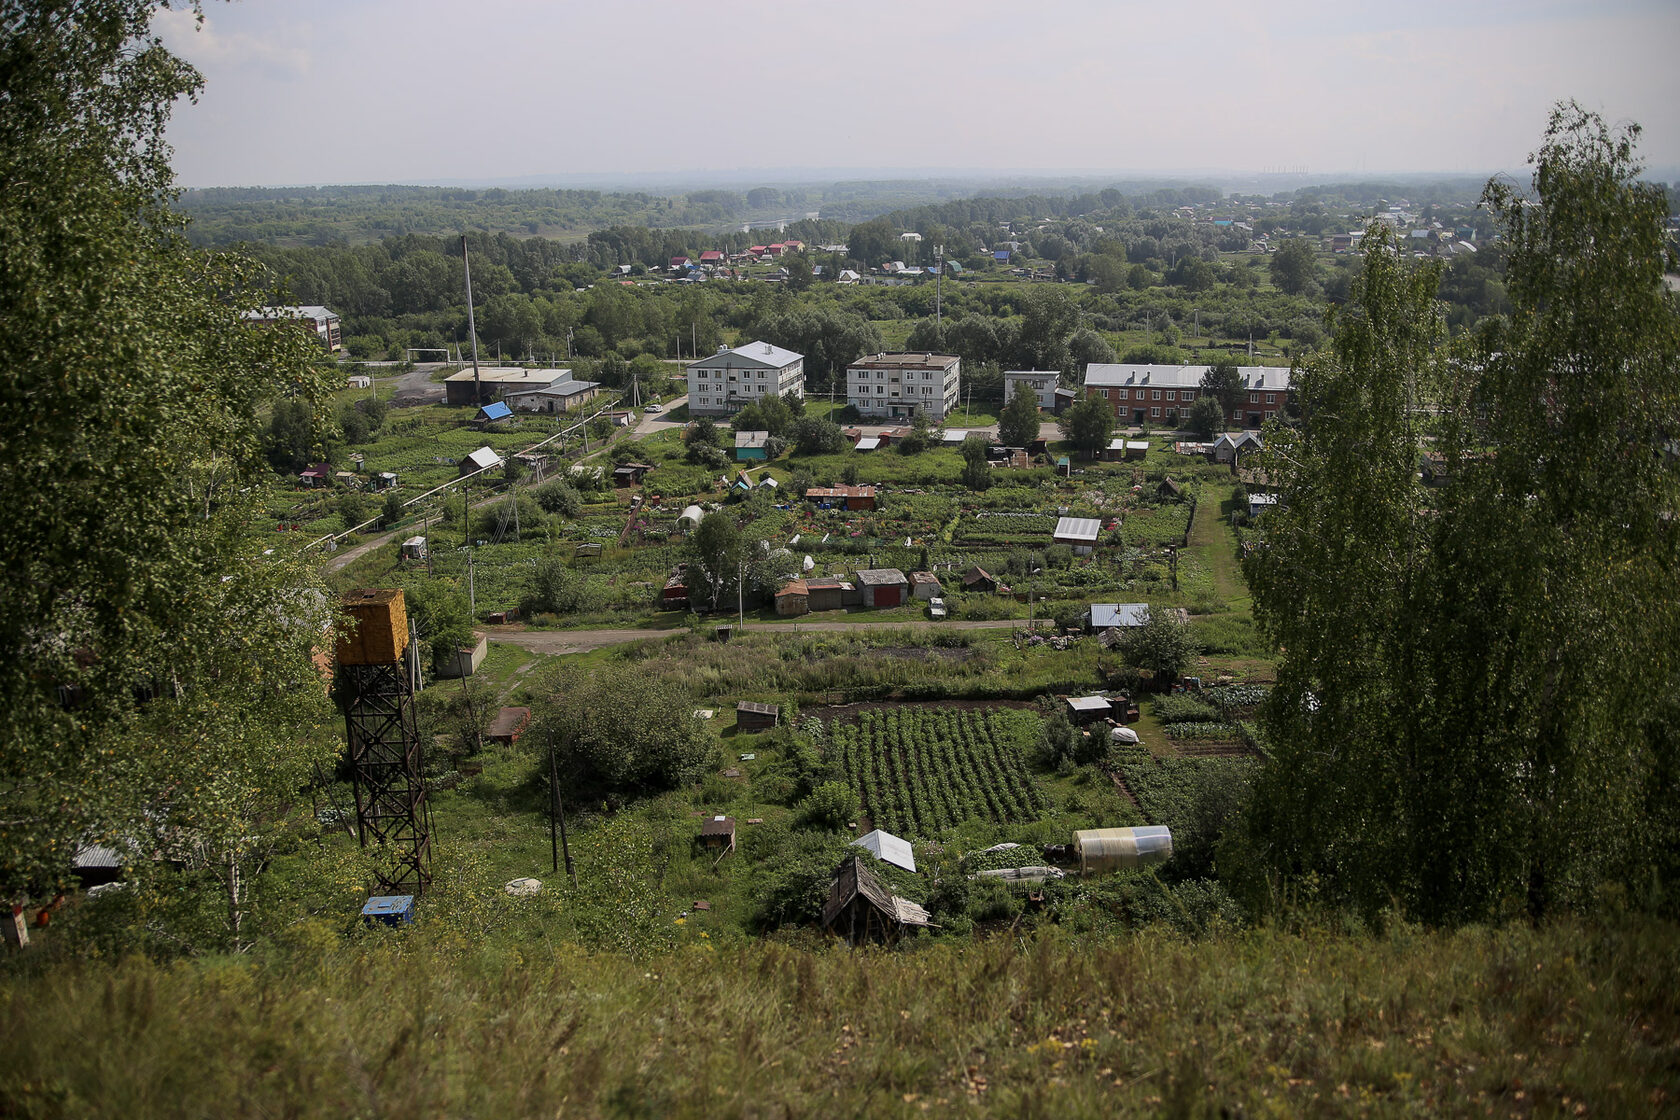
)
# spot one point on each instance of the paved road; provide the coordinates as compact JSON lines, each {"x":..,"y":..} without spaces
{"x":555,"y":642}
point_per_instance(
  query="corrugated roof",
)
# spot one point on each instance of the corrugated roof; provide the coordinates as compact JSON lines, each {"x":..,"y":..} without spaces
{"x":881,"y":577}
{"x":1089,"y":704}
{"x":868,"y":443}
{"x":888,"y":848}
{"x":751,"y":439}
{"x":761,"y":708}
{"x":1078,"y":528}
{"x":483,"y":459}
{"x":495,"y":410}
{"x":1104,"y":615}
{"x":757,"y":353}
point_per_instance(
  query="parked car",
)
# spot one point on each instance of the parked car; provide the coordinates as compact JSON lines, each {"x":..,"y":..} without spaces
{"x":650,"y":408}
{"x":936,"y":608}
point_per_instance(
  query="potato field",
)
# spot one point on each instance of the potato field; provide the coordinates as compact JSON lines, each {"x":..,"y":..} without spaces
{"x":917,"y":771}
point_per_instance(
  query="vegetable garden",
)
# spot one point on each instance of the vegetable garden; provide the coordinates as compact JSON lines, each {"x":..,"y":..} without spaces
{"x":920,"y":770}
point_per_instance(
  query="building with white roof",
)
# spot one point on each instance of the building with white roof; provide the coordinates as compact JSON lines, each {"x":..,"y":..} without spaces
{"x":1163,"y":394}
{"x":730,"y":380}
{"x":314,"y":318}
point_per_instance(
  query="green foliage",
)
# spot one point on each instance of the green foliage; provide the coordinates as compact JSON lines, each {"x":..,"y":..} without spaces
{"x":1163,"y":645}
{"x":832,"y":806}
{"x":1207,"y":417}
{"x":918,"y":771}
{"x":1087,"y":424}
{"x":1183,"y":707}
{"x":559,"y":496}
{"x":813,"y":435}
{"x":1294,"y":265}
{"x":1463,"y":705}
{"x":1019,"y":424}
{"x":976,"y":474}
{"x":291,"y":440}
{"x":619,"y":731}
{"x":558,"y":588}
{"x":354,"y":508}
{"x":135,"y":468}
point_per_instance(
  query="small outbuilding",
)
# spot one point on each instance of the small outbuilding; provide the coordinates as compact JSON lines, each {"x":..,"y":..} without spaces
{"x":979,"y":579}
{"x":925,"y":585}
{"x":750,"y":715}
{"x":883,"y":587}
{"x":508,"y":726}
{"x":830,"y":593}
{"x":842,"y":497}
{"x":751,"y":445}
{"x":483,"y":459}
{"x":630,"y":474}
{"x":1079,"y":532}
{"x":414,"y":548}
{"x":1102,"y":616}
{"x":1084,"y":709}
{"x":794,"y":599}
{"x":718,"y":832}
{"x":689,"y":519}
{"x":496,"y":412}
{"x":860,"y":909}
{"x":888,"y":848}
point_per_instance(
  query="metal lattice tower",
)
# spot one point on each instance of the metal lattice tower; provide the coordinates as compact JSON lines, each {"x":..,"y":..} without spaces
{"x":392,"y":813}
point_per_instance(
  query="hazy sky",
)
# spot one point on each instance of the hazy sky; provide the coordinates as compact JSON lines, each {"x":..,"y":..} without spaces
{"x":340,"y":91}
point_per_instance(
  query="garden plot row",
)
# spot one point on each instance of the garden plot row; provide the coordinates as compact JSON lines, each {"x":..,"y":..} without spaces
{"x":921,"y":770}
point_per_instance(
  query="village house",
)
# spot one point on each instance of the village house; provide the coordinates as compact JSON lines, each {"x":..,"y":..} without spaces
{"x":1041,"y":382}
{"x":1232,"y":446}
{"x":560,"y":396}
{"x":751,"y":445}
{"x":729,"y":380}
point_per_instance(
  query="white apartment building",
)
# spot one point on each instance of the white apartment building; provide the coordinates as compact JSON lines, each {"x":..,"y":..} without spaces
{"x":1041,"y":382}
{"x":731,"y":379}
{"x":904,"y":386}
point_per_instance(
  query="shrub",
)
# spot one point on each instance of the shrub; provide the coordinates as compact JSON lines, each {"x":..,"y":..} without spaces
{"x":1184,"y":708}
{"x":831,"y":806}
{"x":560,"y":497}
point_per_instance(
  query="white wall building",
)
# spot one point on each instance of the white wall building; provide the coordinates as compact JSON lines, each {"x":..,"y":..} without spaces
{"x":904,"y":386}
{"x":729,"y":380}
{"x":1042,"y":383}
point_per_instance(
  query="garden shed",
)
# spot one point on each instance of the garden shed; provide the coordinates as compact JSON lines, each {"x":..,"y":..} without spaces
{"x":1079,"y":532}
{"x":751,"y":715}
{"x":1114,"y":849}
{"x":979,"y":579}
{"x":508,"y":726}
{"x":860,"y":909}
{"x":883,"y":587}
{"x":794,"y":599}
{"x":718,"y":832}
{"x":1102,"y":616}
{"x":1084,"y":709}
{"x":481,"y":460}
{"x":830,"y":593}
{"x":751,"y":445}
{"x":888,"y":848}
{"x":925,"y":585}
{"x":414,"y":548}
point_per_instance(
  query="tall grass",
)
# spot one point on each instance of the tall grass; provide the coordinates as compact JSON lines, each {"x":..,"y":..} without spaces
{"x":1566,"y":1020}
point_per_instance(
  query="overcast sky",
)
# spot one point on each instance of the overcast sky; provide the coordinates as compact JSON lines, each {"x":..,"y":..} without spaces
{"x":347,"y":91}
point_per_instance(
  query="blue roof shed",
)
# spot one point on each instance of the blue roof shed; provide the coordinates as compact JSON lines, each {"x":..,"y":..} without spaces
{"x":495,"y":410}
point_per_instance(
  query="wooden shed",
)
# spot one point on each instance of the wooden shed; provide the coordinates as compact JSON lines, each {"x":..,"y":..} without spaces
{"x":860,"y":909}
{"x":508,"y":726}
{"x":828,"y":593}
{"x":979,"y":579}
{"x":794,"y":599}
{"x":750,"y":715}
{"x":718,"y":832}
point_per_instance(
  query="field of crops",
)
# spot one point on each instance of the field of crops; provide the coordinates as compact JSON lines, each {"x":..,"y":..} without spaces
{"x":1165,"y":788}
{"x":918,"y":771}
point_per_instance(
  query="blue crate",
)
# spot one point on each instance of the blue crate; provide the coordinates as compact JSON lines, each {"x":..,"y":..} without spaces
{"x":391,"y":909}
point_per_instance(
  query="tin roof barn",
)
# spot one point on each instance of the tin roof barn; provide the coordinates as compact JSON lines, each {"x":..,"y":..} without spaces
{"x":888,"y":848}
{"x":860,"y":909}
{"x":719,"y":832}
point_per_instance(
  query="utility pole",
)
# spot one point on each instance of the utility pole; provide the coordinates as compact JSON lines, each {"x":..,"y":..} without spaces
{"x":741,"y":593}
{"x":472,"y":329}
{"x":557,"y":813}
{"x":938,"y":282}
{"x":472,"y":591}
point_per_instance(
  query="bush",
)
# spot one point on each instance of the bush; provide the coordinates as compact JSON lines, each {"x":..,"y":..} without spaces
{"x":1184,"y":708}
{"x":560,"y":497}
{"x":831,"y":806}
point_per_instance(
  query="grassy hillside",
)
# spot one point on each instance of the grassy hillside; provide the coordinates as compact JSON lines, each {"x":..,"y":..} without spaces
{"x":1561,"y":1021}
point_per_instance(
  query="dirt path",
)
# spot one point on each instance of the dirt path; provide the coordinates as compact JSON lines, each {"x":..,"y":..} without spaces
{"x":556,"y":642}
{"x":1213,"y":541}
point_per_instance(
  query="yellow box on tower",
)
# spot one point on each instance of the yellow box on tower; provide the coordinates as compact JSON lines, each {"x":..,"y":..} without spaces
{"x":380,"y":635}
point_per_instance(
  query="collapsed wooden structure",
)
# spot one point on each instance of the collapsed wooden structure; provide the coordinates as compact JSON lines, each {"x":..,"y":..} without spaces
{"x":860,"y":909}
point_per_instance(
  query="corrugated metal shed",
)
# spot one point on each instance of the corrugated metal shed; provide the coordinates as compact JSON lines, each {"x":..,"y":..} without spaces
{"x":1081,"y":529}
{"x":1105,"y":615}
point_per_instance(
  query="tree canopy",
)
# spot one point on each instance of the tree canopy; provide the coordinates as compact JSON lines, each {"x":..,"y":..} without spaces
{"x":1474,"y":706}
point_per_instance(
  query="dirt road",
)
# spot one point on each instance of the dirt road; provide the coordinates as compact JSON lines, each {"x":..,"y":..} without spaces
{"x":556,"y":642}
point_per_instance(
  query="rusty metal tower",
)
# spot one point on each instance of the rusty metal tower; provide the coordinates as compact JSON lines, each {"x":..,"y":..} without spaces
{"x":377,"y":687}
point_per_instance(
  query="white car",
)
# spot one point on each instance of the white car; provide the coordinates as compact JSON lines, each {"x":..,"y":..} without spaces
{"x":936,"y":608}
{"x":650,"y":408}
